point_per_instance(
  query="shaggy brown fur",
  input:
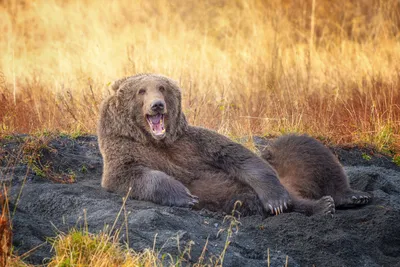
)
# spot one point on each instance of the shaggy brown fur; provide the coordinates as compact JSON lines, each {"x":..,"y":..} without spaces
{"x":147,"y":145}
{"x":311,"y":174}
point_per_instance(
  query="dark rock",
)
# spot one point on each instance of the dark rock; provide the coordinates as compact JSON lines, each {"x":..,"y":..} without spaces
{"x":367,"y":236}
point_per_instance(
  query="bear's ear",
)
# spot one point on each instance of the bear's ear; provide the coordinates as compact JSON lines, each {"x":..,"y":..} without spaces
{"x":116,"y":84}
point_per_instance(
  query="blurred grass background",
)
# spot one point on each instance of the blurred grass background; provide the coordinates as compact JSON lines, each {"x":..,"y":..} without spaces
{"x":328,"y":68}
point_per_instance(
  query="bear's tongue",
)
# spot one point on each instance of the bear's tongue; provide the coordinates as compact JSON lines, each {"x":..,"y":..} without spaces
{"x":155,"y":119}
{"x":156,"y":123}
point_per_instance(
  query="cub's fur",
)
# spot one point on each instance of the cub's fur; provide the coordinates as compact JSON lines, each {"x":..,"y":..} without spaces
{"x":311,"y":174}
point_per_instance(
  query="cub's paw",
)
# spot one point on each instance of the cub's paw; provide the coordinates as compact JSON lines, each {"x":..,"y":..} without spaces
{"x":325,"y":206}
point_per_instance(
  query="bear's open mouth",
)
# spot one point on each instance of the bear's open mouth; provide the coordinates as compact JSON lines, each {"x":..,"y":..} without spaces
{"x":156,"y":123}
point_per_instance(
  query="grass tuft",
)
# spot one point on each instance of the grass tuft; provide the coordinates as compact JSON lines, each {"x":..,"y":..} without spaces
{"x":79,"y":248}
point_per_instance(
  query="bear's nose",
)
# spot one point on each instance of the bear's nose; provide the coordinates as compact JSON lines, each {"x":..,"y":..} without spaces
{"x":157,"y":105}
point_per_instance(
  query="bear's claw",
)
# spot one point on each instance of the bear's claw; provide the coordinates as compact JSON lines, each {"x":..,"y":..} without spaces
{"x":193,"y":200}
{"x":353,"y":198}
{"x":326,"y":206}
{"x":278,"y":208}
{"x":363,"y":199}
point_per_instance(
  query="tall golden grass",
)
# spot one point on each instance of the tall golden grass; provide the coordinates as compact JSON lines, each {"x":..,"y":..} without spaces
{"x":328,"y":68}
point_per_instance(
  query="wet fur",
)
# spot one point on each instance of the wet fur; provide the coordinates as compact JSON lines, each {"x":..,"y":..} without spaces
{"x":190,"y":161}
{"x":312,"y":174}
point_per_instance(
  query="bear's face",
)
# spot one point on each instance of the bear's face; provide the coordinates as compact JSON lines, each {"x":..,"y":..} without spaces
{"x":152,"y":102}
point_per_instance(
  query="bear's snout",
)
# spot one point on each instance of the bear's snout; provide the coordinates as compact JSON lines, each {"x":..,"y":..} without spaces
{"x":157,"y":106}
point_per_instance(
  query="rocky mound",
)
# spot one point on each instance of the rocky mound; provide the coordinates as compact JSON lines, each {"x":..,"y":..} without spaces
{"x":59,"y":182}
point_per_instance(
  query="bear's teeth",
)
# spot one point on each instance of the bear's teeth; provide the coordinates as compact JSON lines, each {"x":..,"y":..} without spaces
{"x":156,"y":123}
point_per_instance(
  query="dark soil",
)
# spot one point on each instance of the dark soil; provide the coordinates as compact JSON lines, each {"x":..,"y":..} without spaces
{"x":49,"y":203}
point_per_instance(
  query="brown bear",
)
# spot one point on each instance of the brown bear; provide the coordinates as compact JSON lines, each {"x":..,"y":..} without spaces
{"x":148,"y":146}
{"x":311,"y":173}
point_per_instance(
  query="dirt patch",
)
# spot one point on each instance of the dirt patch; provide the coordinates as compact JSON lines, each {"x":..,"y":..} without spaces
{"x":368,"y":236}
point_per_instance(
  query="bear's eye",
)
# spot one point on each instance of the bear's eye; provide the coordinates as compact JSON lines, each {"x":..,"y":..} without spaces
{"x":161,"y":88}
{"x":142,"y":91}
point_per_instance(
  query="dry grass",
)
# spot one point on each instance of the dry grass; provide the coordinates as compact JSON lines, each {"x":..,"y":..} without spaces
{"x":5,"y":230}
{"x":79,"y":248}
{"x":104,"y":249}
{"x":247,"y":67}
{"x":7,"y":257}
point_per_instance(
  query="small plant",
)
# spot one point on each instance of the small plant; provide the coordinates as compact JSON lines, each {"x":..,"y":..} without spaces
{"x":45,"y":132}
{"x":34,"y":149}
{"x":73,"y":133}
{"x":8,"y":137}
{"x":84,"y":169}
{"x":64,"y":135}
{"x":38,"y":170}
{"x":71,"y":175}
{"x":233,"y":228}
{"x":76,"y":133}
{"x":396,"y":159}
{"x":366,"y":156}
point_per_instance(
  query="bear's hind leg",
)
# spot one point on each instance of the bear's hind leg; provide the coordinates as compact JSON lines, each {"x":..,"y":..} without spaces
{"x":351,"y":198}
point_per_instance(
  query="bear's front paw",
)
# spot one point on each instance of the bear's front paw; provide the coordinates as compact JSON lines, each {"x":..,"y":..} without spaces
{"x":185,"y":200}
{"x":176,"y":194}
{"x":276,"y":202}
